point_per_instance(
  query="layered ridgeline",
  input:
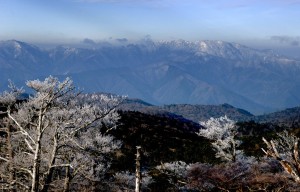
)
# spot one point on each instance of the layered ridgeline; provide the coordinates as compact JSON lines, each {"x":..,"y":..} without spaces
{"x":172,"y":72}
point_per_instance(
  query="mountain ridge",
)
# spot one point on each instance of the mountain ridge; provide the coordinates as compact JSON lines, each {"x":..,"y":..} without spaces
{"x":167,"y":72}
{"x":286,"y":118}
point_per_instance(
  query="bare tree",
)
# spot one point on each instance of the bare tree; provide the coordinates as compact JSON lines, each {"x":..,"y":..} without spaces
{"x":222,"y":131}
{"x":138,"y":178}
{"x":59,"y":135}
{"x":285,"y":150}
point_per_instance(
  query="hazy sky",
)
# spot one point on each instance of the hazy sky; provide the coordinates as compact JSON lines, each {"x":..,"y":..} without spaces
{"x":245,"y":21}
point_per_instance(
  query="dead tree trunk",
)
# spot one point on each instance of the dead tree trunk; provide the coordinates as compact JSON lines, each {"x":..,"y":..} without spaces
{"x":138,"y":169}
{"x":36,"y":167}
{"x":10,"y":157}
{"x":49,"y":173}
{"x":67,"y":180}
{"x":37,"y":153}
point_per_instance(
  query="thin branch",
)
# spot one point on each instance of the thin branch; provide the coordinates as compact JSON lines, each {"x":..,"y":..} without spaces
{"x":182,"y":182}
{"x":4,"y":129}
{"x":28,"y":153}
{"x":33,"y":124}
{"x":23,"y":131}
{"x":3,"y":112}
{"x":45,"y":127}
{"x":4,"y":159}
{"x":78,"y":170}
{"x":22,"y":184}
{"x":94,"y":120}
{"x":77,"y":144}
{"x":27,"y":170}
{"x":274,"y":148}
{"x":264,"y":151}
{"x":108,"y":130}
{"x":29,"y":145}
{"x":62,"y":165}
{"x":83,"y":127}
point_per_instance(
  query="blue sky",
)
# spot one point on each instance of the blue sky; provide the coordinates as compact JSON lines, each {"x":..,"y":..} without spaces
{"x":259,"y":22}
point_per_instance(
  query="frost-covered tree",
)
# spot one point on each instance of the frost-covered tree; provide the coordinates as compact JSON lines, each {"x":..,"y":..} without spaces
{"x":222,"y":131}
{"x":285,"y":149}
{"x":58,"y":137}
{"x":176,"y":173}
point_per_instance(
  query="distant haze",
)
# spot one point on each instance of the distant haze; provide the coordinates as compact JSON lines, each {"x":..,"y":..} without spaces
{"x":256,"y":23}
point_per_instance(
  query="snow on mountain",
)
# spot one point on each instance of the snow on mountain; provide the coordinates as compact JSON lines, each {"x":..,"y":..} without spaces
{"x":201,"y":72}
{"x":20,"y":61}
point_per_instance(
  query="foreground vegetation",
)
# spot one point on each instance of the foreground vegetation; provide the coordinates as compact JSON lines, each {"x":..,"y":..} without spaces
{"x":58,"y":139}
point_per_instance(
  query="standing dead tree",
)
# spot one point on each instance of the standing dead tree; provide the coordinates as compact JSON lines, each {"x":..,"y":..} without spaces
{"x":285,"y":150}
{"x":138,"y":178}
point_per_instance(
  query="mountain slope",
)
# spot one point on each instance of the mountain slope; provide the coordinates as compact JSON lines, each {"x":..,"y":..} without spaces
{"x":163,"y":139}
{"x":179,"y":72}
{"x":20,"y":61}
{"x":289,"y":118}
{"x":194,"y":113}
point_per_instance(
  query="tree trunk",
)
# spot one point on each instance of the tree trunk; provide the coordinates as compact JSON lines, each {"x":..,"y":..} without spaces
{"x":233,"y":150}
{"x":36,"y":166}
{"x":67,"y":180}
{"x":138,"y":169}
{"x":49,"y":173}
{"x":37,"y":153}
{"x":10,"y":157}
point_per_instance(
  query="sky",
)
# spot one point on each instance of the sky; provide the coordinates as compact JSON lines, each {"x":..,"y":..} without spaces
{"x":265,"y":23}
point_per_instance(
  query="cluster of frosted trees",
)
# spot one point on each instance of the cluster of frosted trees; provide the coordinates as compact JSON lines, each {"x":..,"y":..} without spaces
{"x":222,"y":131}
{"x":279,"y":170}
{"x":56,"y":138}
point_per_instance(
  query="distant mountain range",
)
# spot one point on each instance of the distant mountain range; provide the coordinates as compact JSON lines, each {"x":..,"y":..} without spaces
{"x":170,"y":72}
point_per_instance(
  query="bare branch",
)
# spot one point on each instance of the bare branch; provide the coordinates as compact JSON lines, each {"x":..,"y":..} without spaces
{"x":285,"y":150}
{"x":28,"y":153}
{"x":23,"y":131}
{"x":29,"y":145}
{"x":27,"y":170}
{"x":62,"y":165}
{"x":4,"y":159}
{"x":274,"y":149}
{"x":21,"y":184}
